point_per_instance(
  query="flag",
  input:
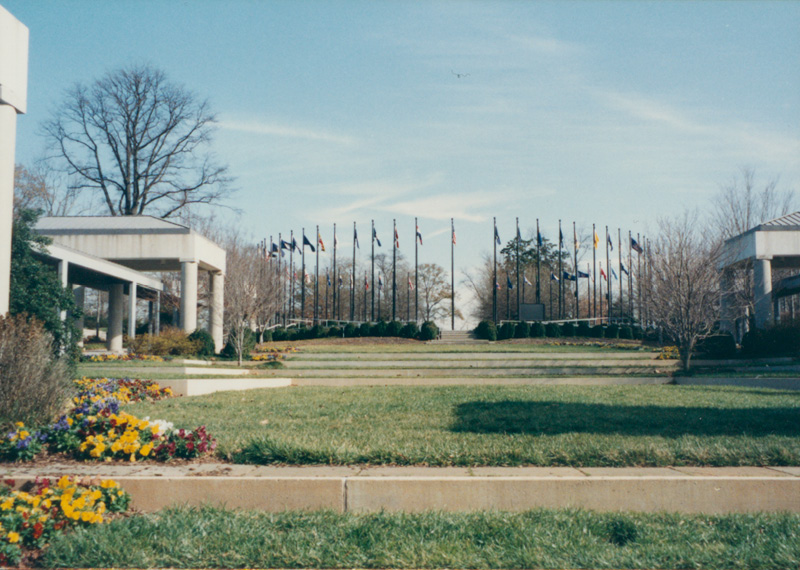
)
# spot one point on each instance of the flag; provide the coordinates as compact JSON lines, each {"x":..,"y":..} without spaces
{"x":636,"y":247}
{"x":623,"y":268}
{"x":519,"y":237}
{"x":396,"y":239}
{"x":320,"y":242}
{"x":328,"y":278}
{"x":295,"y":246}
{"x":568,"y":276}
{"x":380,"y":282}
{"x":454,"y":236}
{"x":614,"y":273}
{"x":538,"y":238}
{"x":335,"y":242}
{"x":285,"y":245}
{"x":375,"y":237}
{"x":525,"y":278}
{"x":307,"y":242}
{"x":596,"y":240}
{"x":603,"y":273}
{"x":560,"y":239}
{"x":553,"y":276}
{"x":610,"y":243}
{"x":419,"y":236}
{"x":496,"y":285}
{"x":582,"y":275}
{"x":410,"y":284}
{"x":273,"y":250}
{"x":577,"y":243}
{"x":308,"y":278}
{"x":497,"y":238}
{"x":366,"y":283}
{"x":340,"y":282}
{"x":355,"y":238}
{"x":509,"y":284}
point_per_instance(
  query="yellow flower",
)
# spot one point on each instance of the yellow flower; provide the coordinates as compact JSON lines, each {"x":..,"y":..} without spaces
{"x":19,"y":424}
{"x":13,"y":537}
{"x":108,"y":484}
{"x":145,"y":450}
{"x":63,"y":483}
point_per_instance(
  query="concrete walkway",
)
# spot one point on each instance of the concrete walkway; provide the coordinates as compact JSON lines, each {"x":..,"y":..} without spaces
{"x":363,"y":489}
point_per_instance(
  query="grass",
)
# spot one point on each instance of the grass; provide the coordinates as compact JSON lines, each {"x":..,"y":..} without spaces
{"x":216,"y":538}
{"x":501,"y":346}
{"x":610,"y":426}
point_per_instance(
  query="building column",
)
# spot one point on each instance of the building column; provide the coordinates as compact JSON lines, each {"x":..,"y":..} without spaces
{"x":63,"y":271}
{"x":79,"y":292}
{"x":157,"y":324}
{"x":132,"y":311}
{"x":188,"y":295}
{"x":216,"y":308}
{"x":726,"y":323}
{"x":762,"y":278}
{"x":115,"y":310}
{"x":8,"y":133}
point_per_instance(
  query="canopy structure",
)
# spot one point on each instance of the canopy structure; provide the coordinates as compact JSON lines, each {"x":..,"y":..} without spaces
{"x":769,"y":246}
{"x":145,"y":243}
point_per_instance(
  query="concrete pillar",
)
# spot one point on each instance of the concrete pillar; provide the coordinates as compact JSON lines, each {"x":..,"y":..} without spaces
{"x":79,"y":293}
{"x":8,"y":132}
{"x":132,"y":312}
{"x":157,"y":324}
{"x":115,"y":309}
{"x":188,"y":295}
{"x":216,"y":309}
{"x":726,"y":299}
{"x":63,"y":273}
{"x":762,"y":278}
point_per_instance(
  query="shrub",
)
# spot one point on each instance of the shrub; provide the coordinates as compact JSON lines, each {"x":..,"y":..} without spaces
{"x":204,"y":342}
{"x":486,"y":330}
{"x":410,"y":330}
{"x":317,"y":331}
{"x":266,"y":336}
{"x":776,"y":341}
{"x":429,"y":331}
{"x":583,"y":329}
{"x":718,"y":346}
{"x":598,"y":331}
{"x":379,"y":329}
{"x":279,"y":335}
{"x":33,"y":382}
{"x":552,"y":330}
{"x":365,"y":329}
{"x":171,"y":342}
{"x":248,"y":344}
{"x":625,"y":332}
{"x":612,"y":331}
{"x":350,"y":330}
{"x":638,"y":333}
{"x":335,"y":331}
{"x":394,"y":328}
{"x":568,"y":329}
{"x":537,"y":330}
{"x":523,"y":330}
{"x":506,"y":331}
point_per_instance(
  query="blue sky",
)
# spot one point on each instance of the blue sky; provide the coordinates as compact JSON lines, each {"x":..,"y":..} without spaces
{"x":611,"y":113}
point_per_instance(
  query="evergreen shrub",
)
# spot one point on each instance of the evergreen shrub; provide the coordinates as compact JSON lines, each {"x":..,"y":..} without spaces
{"x":612,"y":331}
{"x":718,"y":346}
{"x":583,"y":329}
{"x":568,"y":330}
{"x":552,"y":330}
{"x":598,"y":331}
{"x":394,"y":328}
{"x":350,"y":330}
{"x":486,"y":330}
{"x":506,"y":331}
{"x":280,"y":335}
{"x":625,"y":332}
{"x":428,"y":331}
{"x":523,"y":330}
{"x":364,"y":330}
{"x":410,"y":330}
{"x":537,"y":330}
{"x":335,"y":331}
{"x":204,"y":342}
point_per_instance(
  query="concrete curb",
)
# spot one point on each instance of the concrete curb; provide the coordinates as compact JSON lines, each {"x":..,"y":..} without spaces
{"x":414,"y":489}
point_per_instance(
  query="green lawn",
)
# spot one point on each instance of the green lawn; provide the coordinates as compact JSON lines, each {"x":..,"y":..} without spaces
{"x":501,"y":346}
{"x":497,"y":425}
{"x":215,"y":538}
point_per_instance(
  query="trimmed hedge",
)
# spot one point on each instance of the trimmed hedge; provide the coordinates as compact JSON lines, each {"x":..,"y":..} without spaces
{"x":393,"y":328}
{"x":506,"y":331}
{"x":552,"y":330}
{"x":625,"y":332}
{"x":486,"y":330}
{"x":523,"y":330}
{"x":537,"y":330}
{"x":204,"y":342}
{"x":718,"y":346}
{"x":429,"y":331}
{"x":568,"y":330}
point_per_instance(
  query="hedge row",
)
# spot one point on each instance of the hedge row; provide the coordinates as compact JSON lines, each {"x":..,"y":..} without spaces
{"x":428,"y":331}
{"x":488,"y":331}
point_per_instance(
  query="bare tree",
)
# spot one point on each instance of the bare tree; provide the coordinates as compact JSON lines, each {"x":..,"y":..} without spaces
{"x":434,"y":289}
{"x":140,"y":142}
{"x":683,"y":282}
{"x":38,"y":188}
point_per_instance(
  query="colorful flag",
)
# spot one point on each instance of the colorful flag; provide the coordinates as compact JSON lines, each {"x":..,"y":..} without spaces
{"x":560,"y":239}
{"x":295,"y":246}
{"x":285,"y":245}
{"x":366,"y":283}
{"x":410,"y":284}
{"x":497,"y":239}
{"x":380,"y":282}
{"x":610,"y":243}
{"x":307,"y":242}
{"x":273,"y":250}
{"x":603,"y":273}
{"x":623,"y":268}
{"x":320,"y":242}
{"x":355,"y":238}
{"x":568,"y":276}
{"x":614,"y":273}
{"x":375,"y":237}
{"x":519,"y":237}
{"x":396,"y":239}
{"x":454,"y":236}
{"x":335,"y":242}
{"x":635,"y":246}
{"x":553,"y":276}
{"x":340,"y":282}
{"x":525,"y":278}
{"x":582,"y":275}
{"x":419,"y":236}
{"x":308,"y":278}
{"x":538,"y":238}
{"x":509,"y":284}
{"x":328,"y":278}
{"x":596,"y":239}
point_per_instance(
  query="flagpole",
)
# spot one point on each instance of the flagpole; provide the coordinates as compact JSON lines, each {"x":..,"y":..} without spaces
{"x":538,"y":263}
{"x":327,"y":288}
{"x":408,"y":294}
{"x":630,"y":276}
{"x":394,"y":269}
{"x":560,"y":273}
{"x":372,"y":291}
{"x":619,"y":255}
{"x":639,"y":281}
{"x":416,"y":271}
{"x":353,"y":278}
{"x":518,"y":240}
{"x":365,"y":295}
{"x":508,"y":297}
{"x":452,"y":276}
{"x":494,"y":273}
{"x":291,"y":286}
{"x":577,"y":279}
{"x":550,"y":293}
{"x":608,"y":275}
{"x":601,"y":291}
{"x":303,"y":278}
{"x":316,"y":283}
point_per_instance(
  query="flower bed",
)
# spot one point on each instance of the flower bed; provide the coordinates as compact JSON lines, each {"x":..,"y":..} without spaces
{"x":123,"y":358}
{"x":29,"y":517}
{"x":264,"y":353}
{"x":96,"y":428}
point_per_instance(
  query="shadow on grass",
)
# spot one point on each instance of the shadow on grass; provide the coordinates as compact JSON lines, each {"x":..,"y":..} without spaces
{"x":551,"y":418}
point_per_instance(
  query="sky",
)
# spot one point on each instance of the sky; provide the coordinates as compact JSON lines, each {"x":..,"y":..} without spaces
{"x":612,"y":113}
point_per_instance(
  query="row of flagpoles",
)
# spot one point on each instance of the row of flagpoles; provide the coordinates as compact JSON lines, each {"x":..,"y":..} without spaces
{"x":277,"y":250}
{"x":563,"y":276}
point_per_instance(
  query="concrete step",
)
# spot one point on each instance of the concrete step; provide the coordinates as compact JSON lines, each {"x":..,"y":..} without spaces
{"x":474,"y":356}
{"x":596,"y":380}
{"x":470,"y":372}
{"x":483,"y":364}
{"x":415,"y":489}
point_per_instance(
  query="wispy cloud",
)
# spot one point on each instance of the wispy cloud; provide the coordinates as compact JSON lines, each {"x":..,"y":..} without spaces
{"x":470,"y":207}
{"x":277,"y":130}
